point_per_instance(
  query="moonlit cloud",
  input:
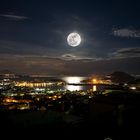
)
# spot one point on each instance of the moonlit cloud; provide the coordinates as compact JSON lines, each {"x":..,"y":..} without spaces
{"x":74,"y":57}
{"x":55,"y":66}
{"x":126,"y":53}
{"x":14,"y":17}
{"x":126,"y":32}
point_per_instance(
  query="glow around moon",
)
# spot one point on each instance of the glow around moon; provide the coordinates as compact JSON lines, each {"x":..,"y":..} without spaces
{"x":74,"y":39}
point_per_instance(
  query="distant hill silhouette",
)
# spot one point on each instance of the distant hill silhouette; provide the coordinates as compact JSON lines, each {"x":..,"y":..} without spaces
{"x":121,"y":77}
{"x":137,"y":81}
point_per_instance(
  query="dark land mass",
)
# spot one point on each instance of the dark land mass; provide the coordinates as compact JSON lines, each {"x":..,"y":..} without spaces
{"x":115,"y":115}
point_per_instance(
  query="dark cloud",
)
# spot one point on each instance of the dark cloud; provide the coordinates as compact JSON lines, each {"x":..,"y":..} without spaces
{"x":26,"y":48}
{"x":126,"y":53}
{"x":56,"y":66}
{"x":18,"y":48}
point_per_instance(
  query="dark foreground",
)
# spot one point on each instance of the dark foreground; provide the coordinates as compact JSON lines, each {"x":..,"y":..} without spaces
{"x":114,"y":117}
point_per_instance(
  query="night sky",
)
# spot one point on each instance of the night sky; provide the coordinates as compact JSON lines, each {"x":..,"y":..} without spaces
{"x":33,"y":36}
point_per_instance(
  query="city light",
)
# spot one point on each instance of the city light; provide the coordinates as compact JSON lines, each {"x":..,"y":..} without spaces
{"x":133,"y":88}
{"x":94,"y":88}
{"x":94,"y":81}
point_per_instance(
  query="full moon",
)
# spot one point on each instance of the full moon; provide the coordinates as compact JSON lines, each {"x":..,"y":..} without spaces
{"x":74,"y":39}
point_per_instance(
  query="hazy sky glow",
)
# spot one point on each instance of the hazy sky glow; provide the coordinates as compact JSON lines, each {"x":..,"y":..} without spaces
{"x":33,"y":36}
